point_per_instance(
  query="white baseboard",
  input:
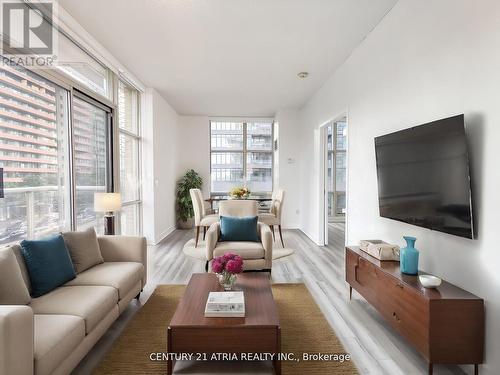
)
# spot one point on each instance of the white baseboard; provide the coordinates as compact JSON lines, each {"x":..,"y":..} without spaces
{"x":164,"y":234}
{"x":313,"y":238}
{"x":290,"y":226}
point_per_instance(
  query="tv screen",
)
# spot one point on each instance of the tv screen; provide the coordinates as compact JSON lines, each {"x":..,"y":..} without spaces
{"x":423,"y":176}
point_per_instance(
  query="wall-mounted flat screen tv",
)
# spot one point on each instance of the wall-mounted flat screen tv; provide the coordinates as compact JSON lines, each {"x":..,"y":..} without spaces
{"x":423,"y":176}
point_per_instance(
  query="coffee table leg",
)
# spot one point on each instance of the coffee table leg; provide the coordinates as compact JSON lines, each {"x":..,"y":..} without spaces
{"x":169,"y":348}
{"x":277,"y":362}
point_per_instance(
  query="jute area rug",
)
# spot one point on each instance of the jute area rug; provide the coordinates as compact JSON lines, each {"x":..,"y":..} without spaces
{"x":304,"y":329}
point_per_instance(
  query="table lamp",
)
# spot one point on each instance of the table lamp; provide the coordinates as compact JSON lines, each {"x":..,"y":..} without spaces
{"x":108,"y":203}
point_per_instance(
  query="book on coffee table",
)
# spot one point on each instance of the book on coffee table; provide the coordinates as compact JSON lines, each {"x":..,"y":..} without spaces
{"x":225,"y":304}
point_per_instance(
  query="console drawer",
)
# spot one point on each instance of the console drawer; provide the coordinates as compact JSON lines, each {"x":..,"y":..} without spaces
{"x":362,"y":275}
{"x":406,"y":310}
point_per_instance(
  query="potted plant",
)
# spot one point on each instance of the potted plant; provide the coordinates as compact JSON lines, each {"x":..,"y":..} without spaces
{"x":185,"y":213}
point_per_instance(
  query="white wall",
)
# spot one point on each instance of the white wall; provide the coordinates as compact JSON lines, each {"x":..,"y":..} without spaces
{"x":426,"y":60}
{"x":160,"y":135}
{"x":289,"y":168}
{"x":194,"y":148}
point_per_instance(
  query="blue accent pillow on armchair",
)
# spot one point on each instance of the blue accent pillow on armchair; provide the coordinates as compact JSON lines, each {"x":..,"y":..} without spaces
{"x":234,"y":228}
{"x":48,"y":262}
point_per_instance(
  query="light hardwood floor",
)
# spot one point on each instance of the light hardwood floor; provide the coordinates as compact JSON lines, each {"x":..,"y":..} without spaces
{"x":374,"y":346}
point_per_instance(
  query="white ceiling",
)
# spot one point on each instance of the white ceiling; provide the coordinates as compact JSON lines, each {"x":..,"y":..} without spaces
{"x":230,"y":57}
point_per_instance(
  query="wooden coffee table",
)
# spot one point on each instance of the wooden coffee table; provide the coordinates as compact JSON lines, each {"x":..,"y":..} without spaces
{"x":258,"y":332}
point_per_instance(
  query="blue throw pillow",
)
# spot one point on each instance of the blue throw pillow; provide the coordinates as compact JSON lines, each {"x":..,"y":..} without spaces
{"x":48,"y":262}
{"x":238,"y":228}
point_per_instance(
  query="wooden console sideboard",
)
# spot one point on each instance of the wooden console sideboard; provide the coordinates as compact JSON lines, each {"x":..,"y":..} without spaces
{"x":446,"y":324}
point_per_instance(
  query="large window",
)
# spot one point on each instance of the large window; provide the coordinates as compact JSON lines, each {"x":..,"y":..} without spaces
{"x":241,"y":154}
{"x":43,"y":193}
{"x":128,"y":120}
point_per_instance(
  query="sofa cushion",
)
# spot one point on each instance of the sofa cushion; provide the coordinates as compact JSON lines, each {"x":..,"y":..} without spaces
{"x":83,"y":248}
{"x":92,"y":303}
{"x":246,"y":250}
{"x":55,"y":336}
{"x":13,"y":290}
{"x":233,"y":228}
{"x":120,"y":275}
{"x":48,"y":262}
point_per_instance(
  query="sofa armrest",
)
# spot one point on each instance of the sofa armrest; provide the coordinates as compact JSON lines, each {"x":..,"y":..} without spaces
{"x":125,"y":249}
{"x":16,"y":340}
{"x":266,"y":237}
{"x":211,"y":237}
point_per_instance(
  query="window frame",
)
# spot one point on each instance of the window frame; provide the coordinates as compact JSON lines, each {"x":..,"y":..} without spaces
{"x":71,"y":85}
{"x":334,"y":151}
{"x":244,"y":151}
{"x":110,"y":150}
{"x":138,"y":203}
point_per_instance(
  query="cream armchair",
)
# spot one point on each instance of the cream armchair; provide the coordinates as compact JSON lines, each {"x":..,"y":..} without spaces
{"x":256,"y":255}
{"x":200,"y":218}
{"x":273,"y":217}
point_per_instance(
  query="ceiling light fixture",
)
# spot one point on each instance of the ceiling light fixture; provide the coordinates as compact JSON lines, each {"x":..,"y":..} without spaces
{"x":302,"y":74}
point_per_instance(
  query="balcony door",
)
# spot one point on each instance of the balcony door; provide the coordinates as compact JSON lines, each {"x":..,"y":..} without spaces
{"x":91,"y":158}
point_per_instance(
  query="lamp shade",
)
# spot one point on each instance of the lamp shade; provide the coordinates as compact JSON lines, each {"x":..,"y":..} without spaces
{"x":107,"y":202}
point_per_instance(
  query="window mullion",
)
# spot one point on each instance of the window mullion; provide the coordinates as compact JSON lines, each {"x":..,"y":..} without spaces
{"x":72,"y":169}
{"x":245,"y":154}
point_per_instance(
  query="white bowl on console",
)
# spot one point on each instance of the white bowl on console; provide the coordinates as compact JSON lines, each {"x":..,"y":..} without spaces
{"x":429,"y":281}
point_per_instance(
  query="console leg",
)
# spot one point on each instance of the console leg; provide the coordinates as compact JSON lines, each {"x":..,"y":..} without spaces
{"x":206,"y":266}
{"x":350,"y":292}
{"x":170,"y":364}
{"x":476,"y":369}
{"x":430,"y":368}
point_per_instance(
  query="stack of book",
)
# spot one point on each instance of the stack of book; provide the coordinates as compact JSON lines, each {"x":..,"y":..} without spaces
{"x":225,"y":304}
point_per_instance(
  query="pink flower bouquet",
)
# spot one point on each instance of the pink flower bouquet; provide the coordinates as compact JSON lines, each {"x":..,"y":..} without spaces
{"x":227,"y":267}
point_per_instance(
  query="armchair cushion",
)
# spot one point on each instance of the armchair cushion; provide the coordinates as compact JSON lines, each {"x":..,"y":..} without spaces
{"x":48,"y":262}
{"x":238,"y":228}
{"x":245,"y":249}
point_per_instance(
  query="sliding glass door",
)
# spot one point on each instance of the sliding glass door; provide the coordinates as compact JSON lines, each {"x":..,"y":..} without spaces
{"x":91,"y":124}
{"x":34,"y":155}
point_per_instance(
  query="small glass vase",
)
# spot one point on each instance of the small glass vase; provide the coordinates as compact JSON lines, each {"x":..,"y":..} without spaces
{"x":408,"y":257}
{"x":226,"y":280}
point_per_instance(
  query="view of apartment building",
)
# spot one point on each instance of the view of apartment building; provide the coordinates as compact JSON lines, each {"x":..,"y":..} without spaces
{"x":34,"y":154}
{"x":242,"y":154}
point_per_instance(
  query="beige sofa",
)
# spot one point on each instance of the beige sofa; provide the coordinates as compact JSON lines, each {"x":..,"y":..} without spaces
{"x":52,"y":333}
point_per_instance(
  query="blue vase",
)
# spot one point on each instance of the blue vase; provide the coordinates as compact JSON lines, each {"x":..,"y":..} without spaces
{"x":408,"y":257}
